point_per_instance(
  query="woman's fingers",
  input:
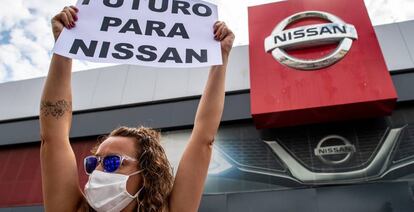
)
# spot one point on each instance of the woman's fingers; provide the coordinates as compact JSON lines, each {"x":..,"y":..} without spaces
{"x":69,"y":16}
{"x":217,"y":26}
{"x":226,"y":37}
{"x":64,"y":19}
{"x":221,"y":31}
{"x":75,"y":8}
{"x":70,"y":19}
{"x":73,"y":13}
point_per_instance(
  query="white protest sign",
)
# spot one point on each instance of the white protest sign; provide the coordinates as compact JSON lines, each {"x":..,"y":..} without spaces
{"x":161,"y":33}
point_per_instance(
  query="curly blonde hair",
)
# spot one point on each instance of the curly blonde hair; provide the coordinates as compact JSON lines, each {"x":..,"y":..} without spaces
{"x":157,"y":171}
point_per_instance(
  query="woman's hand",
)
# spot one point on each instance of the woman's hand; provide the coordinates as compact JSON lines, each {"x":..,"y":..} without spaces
{"x":66,"y":18}
{"x":226,"y":37}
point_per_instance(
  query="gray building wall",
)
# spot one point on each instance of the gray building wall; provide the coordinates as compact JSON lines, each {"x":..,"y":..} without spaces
{"x":167,"y":98}
{"x":126,"y":84}
{"x":162,"y":115}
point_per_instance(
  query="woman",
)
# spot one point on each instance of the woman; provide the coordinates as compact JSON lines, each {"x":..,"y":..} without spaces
{"x":129,"y":170}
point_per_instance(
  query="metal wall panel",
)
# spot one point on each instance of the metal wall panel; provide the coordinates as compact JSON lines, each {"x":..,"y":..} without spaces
{"x":407,"y":31}
{"x":404,"y":84}
{"x":171,"y":83}
{"x":393,"y":47}
{"x":197,"y":81}
{"x":83,"y":88}
{"x":110,"y":86}
{"x":161,"y":115}
{"x":238,"y":76}
{"x":20,"y":99}
{"x":139,"y":85}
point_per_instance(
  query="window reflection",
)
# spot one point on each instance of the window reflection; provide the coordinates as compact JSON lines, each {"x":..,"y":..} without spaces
{"x":243,"y":160}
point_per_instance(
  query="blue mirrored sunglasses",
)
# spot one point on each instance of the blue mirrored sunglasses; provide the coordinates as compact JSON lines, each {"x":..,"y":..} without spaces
{"x":110,"y":163}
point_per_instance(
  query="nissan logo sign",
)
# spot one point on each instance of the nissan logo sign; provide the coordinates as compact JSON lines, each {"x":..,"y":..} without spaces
{"x":323,"y":150}
{"x":337,"y":31}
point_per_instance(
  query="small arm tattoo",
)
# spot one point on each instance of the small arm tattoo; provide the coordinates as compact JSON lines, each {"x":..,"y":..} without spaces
{"x":55,"y":109}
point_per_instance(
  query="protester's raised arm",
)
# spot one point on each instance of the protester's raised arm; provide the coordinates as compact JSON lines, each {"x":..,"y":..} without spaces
{"x":61,"y":190}
{"x":192,"y":171}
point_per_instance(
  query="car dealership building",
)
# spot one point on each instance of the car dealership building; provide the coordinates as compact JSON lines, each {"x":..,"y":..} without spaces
{"x":360,"y":164}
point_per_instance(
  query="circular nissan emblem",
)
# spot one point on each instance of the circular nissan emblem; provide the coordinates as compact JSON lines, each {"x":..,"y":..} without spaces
{"x":337,"y":31}
{"x":346,"y":149}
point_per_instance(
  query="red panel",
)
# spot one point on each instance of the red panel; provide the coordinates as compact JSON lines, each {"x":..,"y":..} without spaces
{"x":20,"y":177}
{"x":358,"y":86}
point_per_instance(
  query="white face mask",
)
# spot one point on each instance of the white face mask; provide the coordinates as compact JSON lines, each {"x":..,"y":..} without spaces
{"x":107,"y":191}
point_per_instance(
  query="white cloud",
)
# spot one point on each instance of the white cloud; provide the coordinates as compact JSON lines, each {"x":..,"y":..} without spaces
{"x":3,"y":73}
{"x":13,"y":13}
{"x":27,"y":53}
{"x":390,"y":11}
{"x":234,"y":13}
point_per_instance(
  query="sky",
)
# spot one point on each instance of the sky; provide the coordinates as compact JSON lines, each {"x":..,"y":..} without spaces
{"x":26,"y":39}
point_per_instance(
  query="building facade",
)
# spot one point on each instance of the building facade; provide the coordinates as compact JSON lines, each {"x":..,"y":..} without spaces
{"x":278,"y":169}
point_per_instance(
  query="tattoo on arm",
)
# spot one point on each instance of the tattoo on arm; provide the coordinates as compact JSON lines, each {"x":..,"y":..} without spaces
{"x":55,"y":109}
